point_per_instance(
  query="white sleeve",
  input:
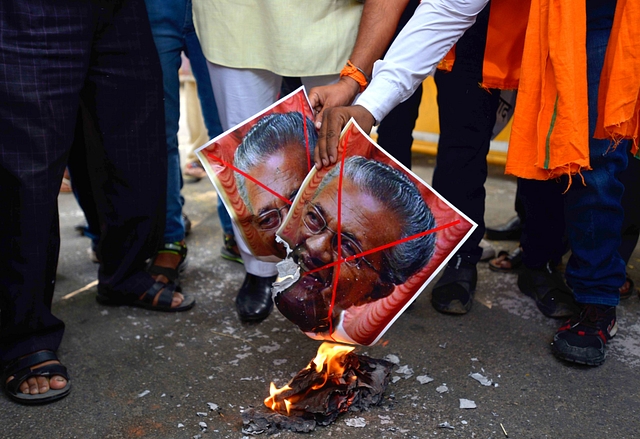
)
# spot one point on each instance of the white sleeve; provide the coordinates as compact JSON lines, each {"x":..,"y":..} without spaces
{"x":425,"y":40}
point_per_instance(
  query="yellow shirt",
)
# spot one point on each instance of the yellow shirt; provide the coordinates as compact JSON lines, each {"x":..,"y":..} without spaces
{"x":287,"y":37}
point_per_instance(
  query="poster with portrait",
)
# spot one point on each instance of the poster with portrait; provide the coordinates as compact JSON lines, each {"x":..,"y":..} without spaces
{"x":365,"y":237}
{"x":257,"y":168}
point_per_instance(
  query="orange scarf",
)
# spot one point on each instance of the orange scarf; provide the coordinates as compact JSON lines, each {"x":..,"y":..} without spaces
{"x":550,"y":133}
{"x":505,"y":43}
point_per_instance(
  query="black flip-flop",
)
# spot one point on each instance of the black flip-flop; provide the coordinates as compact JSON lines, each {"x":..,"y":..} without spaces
{"x":23,"y":369}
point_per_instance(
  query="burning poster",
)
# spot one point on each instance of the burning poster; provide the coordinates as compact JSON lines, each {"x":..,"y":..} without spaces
{"x":257,"y":168}
{"x":337,"y":380}
{"x":366,"y":236}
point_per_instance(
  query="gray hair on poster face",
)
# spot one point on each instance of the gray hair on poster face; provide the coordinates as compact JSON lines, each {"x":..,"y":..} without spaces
{"x":403,"y":200}
{"x":269,"y":135}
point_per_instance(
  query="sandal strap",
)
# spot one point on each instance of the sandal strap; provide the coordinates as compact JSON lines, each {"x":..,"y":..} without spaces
{"x":29,"y":361}
{"x":170,"y":273}
{"x":175,"y":248}
{"x":165,"y":290}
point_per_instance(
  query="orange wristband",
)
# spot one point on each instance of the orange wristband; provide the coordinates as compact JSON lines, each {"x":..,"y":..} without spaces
{"x":356,"y":74}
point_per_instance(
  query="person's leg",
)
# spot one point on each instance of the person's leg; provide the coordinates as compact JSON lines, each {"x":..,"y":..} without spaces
{"x":167,"y":20}
{"x":241,"y":93}
{"x":630,"y":178}
{"x":37,"y":121}
{"x":130,"y":169}
{"x":212,"y":121}
{"x":254,"y":89}
{"x":543,"y":244}
{"x":543,"y":236}
{"x":79,"y":171}
{"x":594,"y":215}
{"x":467,"y":114}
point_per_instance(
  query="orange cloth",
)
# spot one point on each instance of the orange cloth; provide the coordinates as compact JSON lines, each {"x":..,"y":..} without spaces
{"x":620,"y":87}
{"x":550,"y":133}
{"x":505,"y":43}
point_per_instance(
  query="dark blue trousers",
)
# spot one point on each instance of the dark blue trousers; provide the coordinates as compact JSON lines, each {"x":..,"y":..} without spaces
{"x":53,"y":53}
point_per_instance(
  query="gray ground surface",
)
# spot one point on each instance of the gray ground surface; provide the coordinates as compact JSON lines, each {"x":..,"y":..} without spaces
{"x":139,"y":374}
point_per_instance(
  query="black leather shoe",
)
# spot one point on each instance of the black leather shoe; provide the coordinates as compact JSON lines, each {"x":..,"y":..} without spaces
{"x":547,"y":287}
{"x":510,"y":231}
{"x":254,"y":302}
{"x":453,"y":294}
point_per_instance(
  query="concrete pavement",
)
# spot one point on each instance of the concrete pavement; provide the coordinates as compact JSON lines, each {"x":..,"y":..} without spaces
{"x":140,"y":374}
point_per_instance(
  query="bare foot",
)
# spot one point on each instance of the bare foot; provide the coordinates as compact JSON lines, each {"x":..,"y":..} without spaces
{"x":41,"y":384}
{"x":168,"y":260}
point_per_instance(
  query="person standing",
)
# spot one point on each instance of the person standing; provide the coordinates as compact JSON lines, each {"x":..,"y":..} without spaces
{"x":53,"y":54}
{"x":249,"y":48}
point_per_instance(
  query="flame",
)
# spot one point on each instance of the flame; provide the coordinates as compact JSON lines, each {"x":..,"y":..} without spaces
{"x":327,"y":363}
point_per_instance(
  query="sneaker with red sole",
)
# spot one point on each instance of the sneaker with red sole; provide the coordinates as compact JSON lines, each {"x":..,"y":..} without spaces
{"x":583,"y":338}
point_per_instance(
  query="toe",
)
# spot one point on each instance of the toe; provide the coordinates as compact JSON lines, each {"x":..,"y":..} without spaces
{"x":43,"y":384}
{"x":34,"y":387}
{"x":177,"y":300}
{"x":57,"y":382}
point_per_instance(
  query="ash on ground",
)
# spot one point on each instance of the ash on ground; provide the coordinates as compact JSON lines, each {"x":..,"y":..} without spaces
{"x":360,"y":387}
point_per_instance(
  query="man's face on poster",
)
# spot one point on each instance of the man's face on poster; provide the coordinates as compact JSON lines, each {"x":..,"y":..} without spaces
{"x":366,"y":223}
{"x":283,"y":172}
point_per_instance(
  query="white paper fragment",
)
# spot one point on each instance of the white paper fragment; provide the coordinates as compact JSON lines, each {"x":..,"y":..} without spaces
{"x":180,"y":425}
{"x":446,"y":425}
{"x":395,"y":379}
{"x":392,"y":358}
{"x":467,"y":404}
{"x":423,"y":379}
{"x":385,"y":419}
{"x":212,"y":406}
{"x":356,"y":422}
{"x":442,"y":389}
{"x":443,"y":345}
{"x":405,"y":370}
{"x":269,"y":348}
{"x":474,"y":359}
{"x":464,"y":422}
{"x":201,"y":414}
{"x":481,"y":379}
{"x":145,"y":393}
{"x":202,"y":425}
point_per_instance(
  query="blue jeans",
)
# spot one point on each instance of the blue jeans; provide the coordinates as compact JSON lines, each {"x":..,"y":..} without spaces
{"x":593,"y":211}
{"x":173,"y":33}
